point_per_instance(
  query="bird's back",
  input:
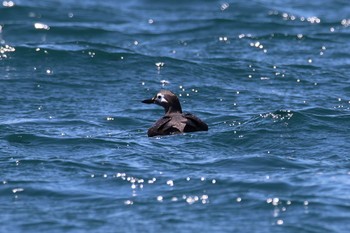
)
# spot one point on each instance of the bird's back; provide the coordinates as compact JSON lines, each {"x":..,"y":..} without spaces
{"x":177,"y":123}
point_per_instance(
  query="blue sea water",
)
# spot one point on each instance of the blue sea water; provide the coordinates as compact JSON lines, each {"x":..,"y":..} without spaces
{"x":271,"y":79}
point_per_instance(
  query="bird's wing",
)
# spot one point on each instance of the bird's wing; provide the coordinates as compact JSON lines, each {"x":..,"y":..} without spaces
{"x":195,"y":122}
{"x":158,"y":126}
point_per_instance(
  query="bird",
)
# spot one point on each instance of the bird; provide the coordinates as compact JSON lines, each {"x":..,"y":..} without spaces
{"x":174,"y":121}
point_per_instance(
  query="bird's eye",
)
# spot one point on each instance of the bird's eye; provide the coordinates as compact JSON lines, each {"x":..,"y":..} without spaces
{"x":159,"y":96}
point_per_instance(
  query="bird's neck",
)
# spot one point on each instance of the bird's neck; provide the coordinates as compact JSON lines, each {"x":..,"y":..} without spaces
{"x":175,"y":108}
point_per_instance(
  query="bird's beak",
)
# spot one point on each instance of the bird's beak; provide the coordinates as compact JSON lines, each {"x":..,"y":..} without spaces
{"x":148,"y":101}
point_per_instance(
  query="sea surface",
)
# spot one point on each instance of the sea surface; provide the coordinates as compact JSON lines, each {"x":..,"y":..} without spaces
{"x":270,"y":78}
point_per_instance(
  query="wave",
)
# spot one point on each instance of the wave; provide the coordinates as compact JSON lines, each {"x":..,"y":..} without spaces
{"x":35,"y":121}
{"x":282,"y":133}
{"x":303,"y":117}
{"x":34,"y":139}
{"x":84,"y":49}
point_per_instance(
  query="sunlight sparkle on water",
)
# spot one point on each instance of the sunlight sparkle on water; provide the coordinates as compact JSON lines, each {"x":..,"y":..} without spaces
{"x":41,"y":26}
{"x":16,"y":190}
{"x":164,"y":82}
{"x":224,"y":6}
{"x":159,"y":65}
{"x":8,"y":3}
{"x":192,"y":199}
{"x":223,"y":38}
{"x":258,"y":45}
{"x":287,"y":16}
{"x":314,"y":19}
{"x":170,"y":183}
{"x":345,"y":22}
{"x":205,"y":199}
{"x":5,"y":49}
{"x":128,"y":202}
{"x":152,"y":180}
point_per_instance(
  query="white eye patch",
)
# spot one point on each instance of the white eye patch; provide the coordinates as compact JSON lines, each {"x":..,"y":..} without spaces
{"x":160,"y":98}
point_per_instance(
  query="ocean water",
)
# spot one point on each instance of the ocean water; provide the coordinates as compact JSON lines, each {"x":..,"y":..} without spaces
{"x":271,"y":79}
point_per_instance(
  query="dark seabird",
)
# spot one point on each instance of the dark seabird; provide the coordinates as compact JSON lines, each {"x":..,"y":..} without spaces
{"x":174,"y":121}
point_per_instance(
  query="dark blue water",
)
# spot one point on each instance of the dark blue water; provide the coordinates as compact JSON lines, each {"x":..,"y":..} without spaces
{"x":271,"y":79}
